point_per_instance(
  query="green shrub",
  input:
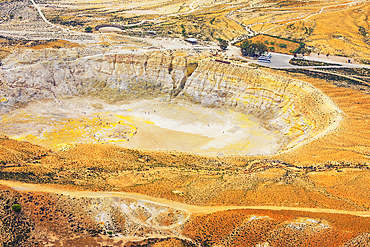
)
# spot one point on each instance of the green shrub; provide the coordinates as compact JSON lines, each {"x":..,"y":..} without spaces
{"x":16,"y":207}
{"x":266,"y":42}
{"x":296,"y":50}
{"x":88,"y":29}
{"x":110,"y":232}
{"x":183,"y":31}
{"x":283,"y":46}
{"x":253,"y":49}
{"x":223,"y":44}
{"x":272,"y":43}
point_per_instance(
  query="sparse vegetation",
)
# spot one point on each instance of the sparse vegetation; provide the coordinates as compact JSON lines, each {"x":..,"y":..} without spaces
{"x":232,"y":228}
{"x":288,"y":47}
{"x":336,"y":78}
{"x":183,"y":31}
{"x":362,"y":31}
{"x":223,"y":44}
{"x":253,"y":49}
{"x":283,"y":46}
{"x":303,"y":50}
{"x":304,"y":62}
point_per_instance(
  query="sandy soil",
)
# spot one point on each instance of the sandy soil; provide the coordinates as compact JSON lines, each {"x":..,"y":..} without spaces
{"x":349,"y":142}
{"x":144,"y":124}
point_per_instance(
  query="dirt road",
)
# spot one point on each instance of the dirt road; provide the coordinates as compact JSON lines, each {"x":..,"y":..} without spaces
{"x":177,"y":205}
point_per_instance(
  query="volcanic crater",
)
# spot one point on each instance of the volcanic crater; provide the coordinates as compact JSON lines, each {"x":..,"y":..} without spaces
{"x":158,"y":101}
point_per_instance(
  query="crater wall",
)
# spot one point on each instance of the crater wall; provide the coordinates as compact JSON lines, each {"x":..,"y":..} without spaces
{"x":297,"y":111}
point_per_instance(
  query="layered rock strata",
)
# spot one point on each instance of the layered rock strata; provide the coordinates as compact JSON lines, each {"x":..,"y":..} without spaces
{"x":296,"y":110}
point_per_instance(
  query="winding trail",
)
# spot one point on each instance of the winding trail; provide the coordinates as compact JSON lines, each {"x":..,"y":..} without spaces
{"x":191,"y":7}
{"x":356,"y":2}
{"x":37,"y":7}
{"x":302,"y":17}
{"x":164,"y":202}
{"x":43,"y":17}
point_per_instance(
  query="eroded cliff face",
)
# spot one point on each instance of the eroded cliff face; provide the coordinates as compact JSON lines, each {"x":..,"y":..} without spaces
{"x":295,"y":110}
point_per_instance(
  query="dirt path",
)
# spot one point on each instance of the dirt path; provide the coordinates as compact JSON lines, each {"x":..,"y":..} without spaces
{"x":37,"y":7}
{"x":177,"y":205}
{"x":356,"y":2}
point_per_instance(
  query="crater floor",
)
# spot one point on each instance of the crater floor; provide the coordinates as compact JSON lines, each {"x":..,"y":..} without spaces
{"x":153,"y":124}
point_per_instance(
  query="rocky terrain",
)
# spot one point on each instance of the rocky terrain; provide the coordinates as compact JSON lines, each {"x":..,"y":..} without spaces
{"x":304,"y":195}
{"x":21,"y":20}
{"x":95,"y":219}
